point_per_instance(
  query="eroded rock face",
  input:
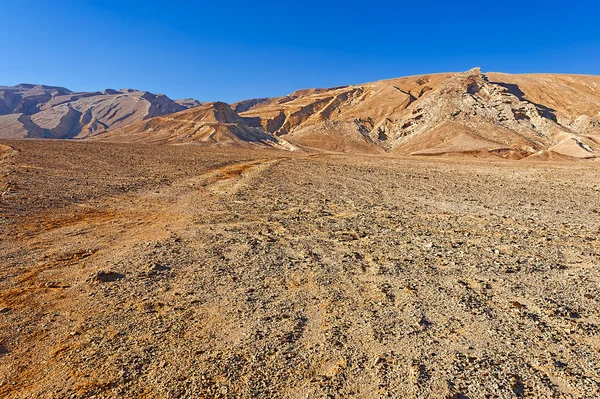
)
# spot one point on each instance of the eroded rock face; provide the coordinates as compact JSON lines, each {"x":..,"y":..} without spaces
{"x":585,"y":124}
{"x":20,"y":125}
{"x":246,"y":105}
{"x":512,"y":116}
{"x":56,"y":112}
{"x":469,"y":113}
{"x":27,"y":98}
{"x":208,"y":124}
{"x":482,"y":108}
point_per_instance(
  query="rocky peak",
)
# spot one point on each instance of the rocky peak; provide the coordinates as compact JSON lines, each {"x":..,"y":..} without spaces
{"x":470,"y":99}
{"x":189,"y":102}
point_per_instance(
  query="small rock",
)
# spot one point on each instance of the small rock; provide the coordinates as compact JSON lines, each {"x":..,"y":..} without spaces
{"x":105,"y":276}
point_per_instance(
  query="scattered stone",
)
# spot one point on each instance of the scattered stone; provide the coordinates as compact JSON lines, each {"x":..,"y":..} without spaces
{"x":105,"y":277}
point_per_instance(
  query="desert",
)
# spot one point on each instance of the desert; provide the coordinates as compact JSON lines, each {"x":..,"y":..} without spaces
{"x":299,"y":200}
{"x":428,"y":236}
{"x":186,"y":271}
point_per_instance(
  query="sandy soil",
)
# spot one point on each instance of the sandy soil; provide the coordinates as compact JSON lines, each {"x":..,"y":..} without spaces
{"x":187,"y":272}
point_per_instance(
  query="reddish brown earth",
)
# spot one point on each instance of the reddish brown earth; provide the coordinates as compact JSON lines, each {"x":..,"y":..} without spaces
{"x":157,"y":271}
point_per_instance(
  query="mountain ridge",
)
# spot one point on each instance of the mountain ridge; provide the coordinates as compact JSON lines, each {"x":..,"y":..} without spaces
{"x":470,"y":113}
{"x":43,"y":111}
{"x":516,"y":116}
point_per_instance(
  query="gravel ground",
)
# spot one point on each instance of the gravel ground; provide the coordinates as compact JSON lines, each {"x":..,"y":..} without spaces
{"x":187,"y":272}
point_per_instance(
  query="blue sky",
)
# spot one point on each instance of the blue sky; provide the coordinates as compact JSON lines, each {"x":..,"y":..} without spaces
{"x":233,"y":50}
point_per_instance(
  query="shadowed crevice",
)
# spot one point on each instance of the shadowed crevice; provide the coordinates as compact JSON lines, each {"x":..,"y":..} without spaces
{"x":516,"y":91}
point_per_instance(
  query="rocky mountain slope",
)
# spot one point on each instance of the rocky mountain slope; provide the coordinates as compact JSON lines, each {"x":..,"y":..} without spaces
{"x":508,"y":115}
{"x":494,"y":114}
{"x":37,"y":111}
{"x":211,"y":123}
{"x":537,"y":116}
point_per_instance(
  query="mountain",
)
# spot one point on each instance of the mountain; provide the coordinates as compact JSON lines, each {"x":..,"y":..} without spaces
{"x":37,"y":111}
{"x":537,"y":116}
{"x":211,"y":123}
{"x":514,"y":116}
{"x":470,"y":113}
{"x":189,"y":102}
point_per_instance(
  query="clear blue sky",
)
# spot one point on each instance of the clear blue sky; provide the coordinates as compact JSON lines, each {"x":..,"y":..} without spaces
{"x":232,"y":50}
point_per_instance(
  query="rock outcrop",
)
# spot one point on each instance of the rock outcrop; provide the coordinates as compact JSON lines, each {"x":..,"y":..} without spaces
{"x":514,"y":116}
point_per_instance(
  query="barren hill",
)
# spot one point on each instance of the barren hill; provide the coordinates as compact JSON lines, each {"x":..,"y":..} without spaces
{"x":493,"y":114}
{"x":537,"y":116}
{"x":37,"y":111}
{"x":212,"y":123}
{"x":471,"y":112}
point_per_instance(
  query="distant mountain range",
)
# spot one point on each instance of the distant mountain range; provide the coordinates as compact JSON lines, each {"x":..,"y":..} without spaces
{"x":537,"y":116}
{"x":37,"y":111}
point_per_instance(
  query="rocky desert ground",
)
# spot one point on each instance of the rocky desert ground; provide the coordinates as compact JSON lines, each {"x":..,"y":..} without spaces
{"x":154,"y":271}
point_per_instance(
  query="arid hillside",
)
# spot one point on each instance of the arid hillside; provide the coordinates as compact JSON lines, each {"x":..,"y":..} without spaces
{"x":209,"y":124}
{"x":506,"y":115}
{"x":471,"y":113}
{"x":37,"y":111}
{"x":163,"y":271}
